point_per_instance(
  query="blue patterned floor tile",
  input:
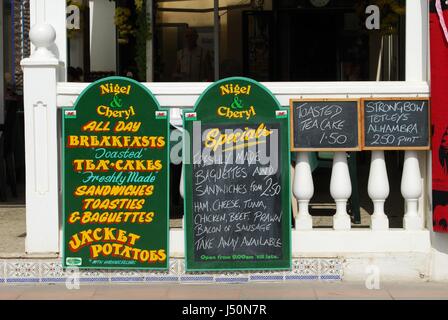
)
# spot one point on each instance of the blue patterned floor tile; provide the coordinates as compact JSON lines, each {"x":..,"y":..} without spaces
{"x":197,"y":278}
{"x":330,"y":277}
{"x":51,"y":271}
{"x":94,"y":279}
{"x":162,"y":279}
{"x":330,"y":269}
{"x":127,"y":279}
{"x":231,"y":280}
{"x":23,"y":280}
{"x":268,"y":277}
{"x":53,"y":280}
{"x":301,"y":277}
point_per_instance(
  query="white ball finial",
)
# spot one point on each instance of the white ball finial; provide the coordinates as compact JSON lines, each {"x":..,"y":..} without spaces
{"x":43,"y":37}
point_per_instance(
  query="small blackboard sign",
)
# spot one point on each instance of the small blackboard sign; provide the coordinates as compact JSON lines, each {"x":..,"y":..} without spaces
{"x":396,"y":124}
{"x":325,"y":125}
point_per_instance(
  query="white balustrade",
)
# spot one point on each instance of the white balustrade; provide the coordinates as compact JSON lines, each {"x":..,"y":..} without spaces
{"x":303,"y":190}
{"x":341,"y":190}
{"x":411,"y":189}
{"x":378,"y":189}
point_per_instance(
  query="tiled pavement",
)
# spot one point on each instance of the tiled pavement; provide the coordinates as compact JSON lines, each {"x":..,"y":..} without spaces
{"x":314,"y":290}
{"x":15,"y":271}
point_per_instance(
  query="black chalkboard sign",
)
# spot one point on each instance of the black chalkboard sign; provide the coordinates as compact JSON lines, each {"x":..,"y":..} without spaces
{"x":396,"y":124}
{"x":325,"y":125}
{"x":237,"y":207}
{"x":237,"y":181}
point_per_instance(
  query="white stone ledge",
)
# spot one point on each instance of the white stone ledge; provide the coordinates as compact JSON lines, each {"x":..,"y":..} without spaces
{"x":331,"y":243}
{"x":413,"y":266}
{"x":337,"y":243}
{"x":40,"y":63}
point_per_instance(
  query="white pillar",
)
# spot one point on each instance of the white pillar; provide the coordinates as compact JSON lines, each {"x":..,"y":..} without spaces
{"x":216,"y":33}
{"x":53,"y":12}
{"x":341,"y":190}
{"x":417,"y":69}
{"x":417,"y":12}
{"x":41,"y":152}
{"x":378,"y":189}
{"x":2,"y":72}
{"x":181,"y":183}
{"x":303,"y":189}
{"x":411,"y":189}
{"x":182,"y":192}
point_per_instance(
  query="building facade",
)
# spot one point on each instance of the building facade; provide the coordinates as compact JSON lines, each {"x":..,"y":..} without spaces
{"x":399,"y":240}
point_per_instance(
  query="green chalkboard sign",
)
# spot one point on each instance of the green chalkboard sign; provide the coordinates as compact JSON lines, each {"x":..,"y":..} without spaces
{"x":237,"y":179}
{"x":115,"y":178}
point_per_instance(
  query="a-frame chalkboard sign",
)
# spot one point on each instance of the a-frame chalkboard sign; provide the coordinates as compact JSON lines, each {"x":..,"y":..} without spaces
{"x":115,"y":178}
{"x":237,"y":179}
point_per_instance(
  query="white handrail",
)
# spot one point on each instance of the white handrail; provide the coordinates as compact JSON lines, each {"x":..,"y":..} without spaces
{"x":185,"y":94}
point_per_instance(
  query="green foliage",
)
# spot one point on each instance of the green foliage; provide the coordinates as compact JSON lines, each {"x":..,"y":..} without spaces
{"x":142,"y":35}
{"x":124,"y":25}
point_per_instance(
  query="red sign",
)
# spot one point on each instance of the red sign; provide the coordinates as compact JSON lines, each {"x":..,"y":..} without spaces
{"x":439,"y":109}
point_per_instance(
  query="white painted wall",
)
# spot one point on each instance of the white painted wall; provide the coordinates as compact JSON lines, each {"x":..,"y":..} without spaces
{"x":102,"y":36}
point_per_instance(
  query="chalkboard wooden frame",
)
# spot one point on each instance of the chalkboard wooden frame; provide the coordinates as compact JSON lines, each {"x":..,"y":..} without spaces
{"x":291,"y":106}
{"x":368,"y":148}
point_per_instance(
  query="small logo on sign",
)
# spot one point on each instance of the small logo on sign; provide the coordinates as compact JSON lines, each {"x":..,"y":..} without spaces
{"x":190,"y":116}
{"x":281,"y":114}
{"x":70,"y":261}
{"x":70,"y":114}
{"x":161,"y":114}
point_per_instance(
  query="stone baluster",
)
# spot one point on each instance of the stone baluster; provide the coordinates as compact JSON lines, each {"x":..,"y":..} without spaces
{"x":303,"y":190}
{"x":378,"y":189}
{"x":341,"y":190}
{"x":411,"y":189}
